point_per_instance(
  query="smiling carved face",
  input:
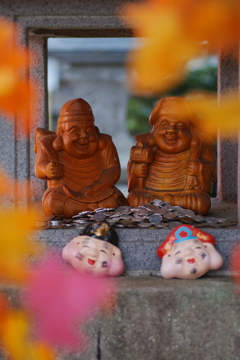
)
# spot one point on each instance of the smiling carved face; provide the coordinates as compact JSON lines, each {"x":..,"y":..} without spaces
{"x":172,"y":134}
{"x":94,"y":256}
{"x":190,"y":259}
{"x":80,"y":139}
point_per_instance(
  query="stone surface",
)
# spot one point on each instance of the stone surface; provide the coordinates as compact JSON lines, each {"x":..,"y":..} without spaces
{"x":165,"y":319}
{"x":67,"y":8}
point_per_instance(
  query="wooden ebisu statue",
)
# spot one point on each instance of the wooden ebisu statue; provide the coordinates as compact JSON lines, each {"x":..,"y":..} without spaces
{"x":80,"y":164}
{"x":175,"y":162}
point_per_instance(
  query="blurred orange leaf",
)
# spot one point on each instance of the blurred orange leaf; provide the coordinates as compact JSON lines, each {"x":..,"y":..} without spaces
{"x":3,"y":309}
{"x":159,"y":62}
{"x":15,"y":90}
{"x":173,"y":32}
{"x":12,"y":188}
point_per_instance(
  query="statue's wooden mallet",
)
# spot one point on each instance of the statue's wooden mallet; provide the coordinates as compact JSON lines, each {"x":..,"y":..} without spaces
{"x":141,"y":154}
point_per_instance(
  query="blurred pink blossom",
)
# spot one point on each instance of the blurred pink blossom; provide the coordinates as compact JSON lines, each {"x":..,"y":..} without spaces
{"x":61,"y":301}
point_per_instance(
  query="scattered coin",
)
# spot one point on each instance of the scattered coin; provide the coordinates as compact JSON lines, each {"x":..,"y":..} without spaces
{"x":220,"y":220}
{"x":188,"y":212}
{"x":80,"y":221}
{"x":99,"y":216}
{"x":80,"y":226}
{"x":67,"y":221}
{"x":142,"y":212}
{"x":112,"y":221}
{"x":125,"y":222}
{"x":137,"y":219}
{"x":119,"y":225}
{"x":155,"y":219}
{"x":178,"y":208}
{"x":122,"y":208}
{"x":55,"y":224}
{"x":126,"y":217}
{"x":174,"y":224}
{"x":186,"y":219}
{"x":153,"y":208}
{"x":144,"y":224}
{"x":199,"y":218}
{"x":83,"y":213}
{"x":68,"y":225}
{"x":210,"y":220}
{"x":170,"y":216}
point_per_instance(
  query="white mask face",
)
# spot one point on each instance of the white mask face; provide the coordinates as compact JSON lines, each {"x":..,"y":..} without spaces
{"x":190,"y":259}
{"x":94,"y":256}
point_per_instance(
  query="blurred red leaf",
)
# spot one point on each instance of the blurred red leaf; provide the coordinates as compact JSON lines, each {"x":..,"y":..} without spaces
{"x":61,"y":299}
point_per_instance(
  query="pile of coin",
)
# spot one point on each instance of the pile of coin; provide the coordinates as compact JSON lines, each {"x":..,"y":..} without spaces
{"x":156,"y":215}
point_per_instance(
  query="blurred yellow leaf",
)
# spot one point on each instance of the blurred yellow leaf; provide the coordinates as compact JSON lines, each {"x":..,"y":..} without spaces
{"x":213,"y":115}
{"x":15,"y":247}
{"x":15,"y":338}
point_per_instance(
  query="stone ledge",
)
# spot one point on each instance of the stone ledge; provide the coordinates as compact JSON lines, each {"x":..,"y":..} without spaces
{"x":139,"y":245}
{"x":157,"y":319}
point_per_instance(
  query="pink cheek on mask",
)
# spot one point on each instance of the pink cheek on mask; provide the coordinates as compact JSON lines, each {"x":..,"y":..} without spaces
{"x":117,"y":268}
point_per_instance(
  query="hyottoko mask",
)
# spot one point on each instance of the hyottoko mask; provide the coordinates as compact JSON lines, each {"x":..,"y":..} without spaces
{"x":94,"y":254}
{"x":188,"y":253}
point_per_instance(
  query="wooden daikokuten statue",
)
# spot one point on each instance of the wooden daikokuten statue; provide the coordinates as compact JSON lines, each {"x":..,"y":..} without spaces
{"x":80,"y":164}
{"x":175,"y":162}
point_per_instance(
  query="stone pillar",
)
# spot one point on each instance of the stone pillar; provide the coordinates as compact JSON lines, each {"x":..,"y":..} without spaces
{"x":228,"y":82}
{"x":17,"y":156}
{"x":38,"y":73}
